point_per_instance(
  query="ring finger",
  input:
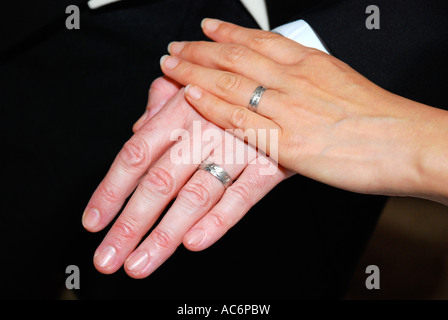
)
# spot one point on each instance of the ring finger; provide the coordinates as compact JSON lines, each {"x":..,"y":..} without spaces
{"x":194,"y":201}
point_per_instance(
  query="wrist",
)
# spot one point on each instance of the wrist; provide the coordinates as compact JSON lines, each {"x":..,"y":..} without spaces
{"x":415,"y":161}
{"x":432,"y":156}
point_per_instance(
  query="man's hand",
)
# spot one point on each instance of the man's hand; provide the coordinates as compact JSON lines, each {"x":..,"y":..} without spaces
{"x":203,"y":210}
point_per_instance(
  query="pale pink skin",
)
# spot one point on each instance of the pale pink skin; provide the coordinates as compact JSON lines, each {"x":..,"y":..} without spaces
{"x":203,"y":210}
{"x":334,"y":125}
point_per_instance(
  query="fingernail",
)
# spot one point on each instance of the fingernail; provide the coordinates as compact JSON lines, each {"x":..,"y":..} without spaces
{"x":210,"y":24}
{"x":91,"y":218}
{"x":193,"y":92}
{"x":169,"y":62}
{"x":105,"y":257}
{"x":138,"y":262}
{"x":175,"y":47}
{"x":195,"y":238}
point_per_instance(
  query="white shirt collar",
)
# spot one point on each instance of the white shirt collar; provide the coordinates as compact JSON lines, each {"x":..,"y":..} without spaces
{"x":95,"y":4}
{"x":257,"y":9}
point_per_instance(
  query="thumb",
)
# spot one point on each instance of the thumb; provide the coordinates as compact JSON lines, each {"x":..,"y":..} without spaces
{"x":161,"y":91}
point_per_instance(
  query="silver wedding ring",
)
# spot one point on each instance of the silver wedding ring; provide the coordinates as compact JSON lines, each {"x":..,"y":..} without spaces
{"x":256,"y":97}
{"x":217,"y":171}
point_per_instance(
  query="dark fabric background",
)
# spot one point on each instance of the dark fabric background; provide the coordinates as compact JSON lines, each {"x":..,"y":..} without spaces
{"x":69,"y":99}
{"x":407,"y":55}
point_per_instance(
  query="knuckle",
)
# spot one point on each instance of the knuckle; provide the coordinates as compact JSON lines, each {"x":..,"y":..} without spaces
{"x":314,"y":56}
{"x":191,"y":49}
{"x":125,"y":230}
{"x":109,"y":192}
{"x":208,"y":108}
{"x":233,"y":54}
{"x":264,"y":38}
{"x":188,"y":74}
{"x":226,"y":30}
{"x":162,"y":238}
{"x":188,"y":48}
{"x":218,"y":219}
{"x":241,"y":191}
{"x":227,"y":83}
{"x":134,"y":154}
{"x":196,"y":194}
{"x":238,"y":117}
{"x":149,"y":128}
{"x":158,"y":180}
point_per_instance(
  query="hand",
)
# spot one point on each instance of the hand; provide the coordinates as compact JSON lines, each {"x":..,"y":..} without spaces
{"x":333,"y":125}
{"x":203,"y":210}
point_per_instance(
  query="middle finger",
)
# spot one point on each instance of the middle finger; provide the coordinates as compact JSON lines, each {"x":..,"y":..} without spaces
{"x":231,"y":57}
{"x":231,"y":87}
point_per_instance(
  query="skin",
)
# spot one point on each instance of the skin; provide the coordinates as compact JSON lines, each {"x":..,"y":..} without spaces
{"x":203,"y":210}
{"x":333,"y":124}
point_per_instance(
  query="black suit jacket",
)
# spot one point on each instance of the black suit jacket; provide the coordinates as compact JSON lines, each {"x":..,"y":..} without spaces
{"x":71,"y":97}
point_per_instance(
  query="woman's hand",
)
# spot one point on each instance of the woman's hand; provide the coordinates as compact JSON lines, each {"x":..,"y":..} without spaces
{"x":203,"y":210}
{"x":333,"y":124}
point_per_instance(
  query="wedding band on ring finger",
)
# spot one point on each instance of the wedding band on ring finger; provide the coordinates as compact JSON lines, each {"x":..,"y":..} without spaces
{"x":256,"y":97}
{"x":218,"y":172}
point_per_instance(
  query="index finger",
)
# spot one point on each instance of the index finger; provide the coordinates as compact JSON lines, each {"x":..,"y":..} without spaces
{"x":269,"y":44}
{"x":132,"y":162}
